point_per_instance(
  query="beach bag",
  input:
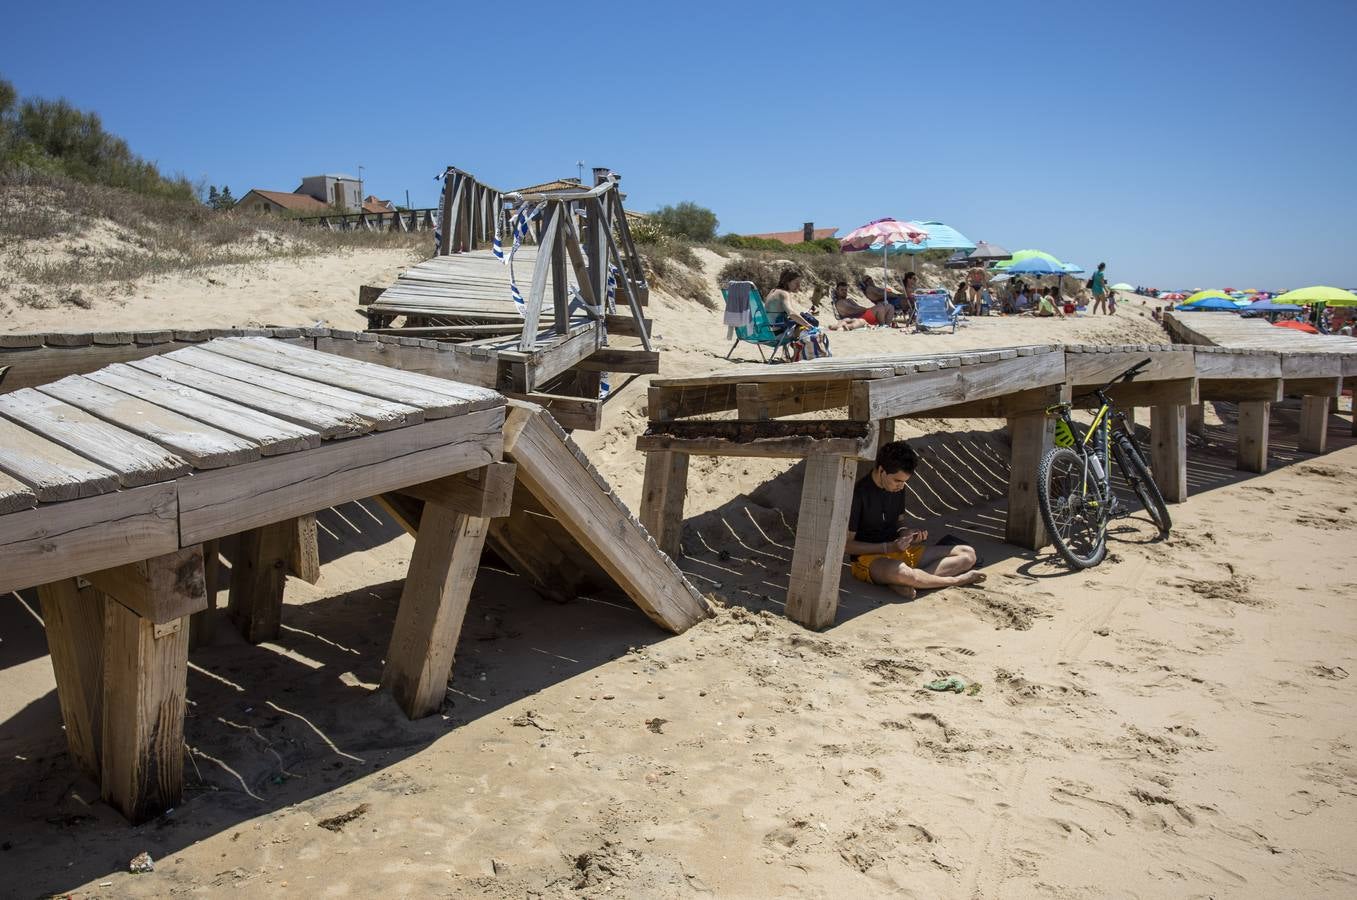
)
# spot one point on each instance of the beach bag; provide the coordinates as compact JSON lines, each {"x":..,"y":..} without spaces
{"x":1089,"y":284}
{"x":808,"y":343}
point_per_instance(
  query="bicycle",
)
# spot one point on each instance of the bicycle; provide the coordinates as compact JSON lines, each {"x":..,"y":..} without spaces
{"x":1074,"y":483}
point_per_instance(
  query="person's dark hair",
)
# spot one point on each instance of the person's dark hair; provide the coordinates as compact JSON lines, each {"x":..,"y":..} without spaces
{"x":843,"y":283}
{"x":786,"y":278}
{"x":909,"y":276}
{"x":897,"y":456}
{"x":1102,"y":266}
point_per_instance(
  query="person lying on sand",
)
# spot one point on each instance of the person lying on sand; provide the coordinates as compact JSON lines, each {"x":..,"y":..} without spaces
{"x":850,"y":310}
{"x":882,"y":546}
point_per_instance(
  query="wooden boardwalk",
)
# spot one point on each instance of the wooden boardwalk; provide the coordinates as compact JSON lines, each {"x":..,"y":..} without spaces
{"x":692,"y":416}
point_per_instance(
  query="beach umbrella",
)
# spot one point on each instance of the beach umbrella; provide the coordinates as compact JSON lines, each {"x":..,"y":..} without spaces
{"x":940,"y":237}
{"x":1318,"y":294}
{"x":1202,"y":296}
{"x":1209,"y":303}
{"x":1123,"y":286}
{"x":1072,"y":268}
{"x":882,"y":234}
{"x":1035,"y":265}
{"x":1021,"y":255}
{"x":983,"y":254}
{"x":1271,"y":306}
{"x":1298,"y":326}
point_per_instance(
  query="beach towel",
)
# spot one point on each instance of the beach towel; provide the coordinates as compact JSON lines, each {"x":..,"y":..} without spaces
{"x":737,"y":304}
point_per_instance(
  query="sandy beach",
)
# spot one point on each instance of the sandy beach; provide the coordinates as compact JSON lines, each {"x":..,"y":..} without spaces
{"x":1177,"y":722}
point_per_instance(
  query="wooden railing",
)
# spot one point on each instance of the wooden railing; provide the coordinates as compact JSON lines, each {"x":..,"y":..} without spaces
{"x":397,"y":220}
{"x":471,"y":208}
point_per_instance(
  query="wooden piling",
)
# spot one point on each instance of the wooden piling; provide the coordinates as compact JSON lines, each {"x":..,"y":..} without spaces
{"x":821,"y":534}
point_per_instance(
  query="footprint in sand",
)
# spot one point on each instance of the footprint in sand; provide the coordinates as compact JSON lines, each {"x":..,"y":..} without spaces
{"x":1335,"y":673}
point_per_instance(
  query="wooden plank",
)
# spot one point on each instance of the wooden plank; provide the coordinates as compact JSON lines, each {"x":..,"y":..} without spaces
{"x":627,"y":326}
{"x":202,"y":445}
{"x":485,"y":493}
{"x":770,"y":400}
{"x":46,"y":471}
{"x":14,"y":494}
{"x":1168,"y":450}
{"x":215,"y":504}
{"x":439,"y":331}
{"x":1252,"y":435}
{"x":668,"y":403}
{"x":1096,"y":369}
{"x":662,"y":496}
{"x":145,"y":687}
{"x":562,"y":479}
{"x":555,"y":358}
{"x":133,"y":460}
{"x":436,"y":396}
{"x":303,"y":556}
{"x":49,"y":543}
{"x":432,"y":606}
{"x":202,"y":624}
{"x":821,"y":535}
{"x":532,"y":312}
{"x":792,"y":447}
{"x":163,"y":588}
{"x":381,"y":414}
{"x":576,"y":413}
{"x":271,"y":434}
{"x":1238,"y":366}
{"x":1238,"y":390}
{"x":258,"y":575}
{"x":447,"y":361}
{"x":616,"y":359}
{"x":902,"y":395}
{"x":74,"y":621}
{"x":1008,"y":406}
{"x":33,"y":366}
{"x":806,"y":373}
{"x":1313,"y":387}
{"x":1031,"y":436}
{"x":537,"y":548}
{"x":1314,"y":423}
{"x":326,"y":421}
{"x":1182,"y":391}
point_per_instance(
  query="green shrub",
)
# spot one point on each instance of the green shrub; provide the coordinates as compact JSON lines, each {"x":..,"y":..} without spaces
{"x":758,"y":271}
{"x":686,"y":220}
{"x":645,"y":231}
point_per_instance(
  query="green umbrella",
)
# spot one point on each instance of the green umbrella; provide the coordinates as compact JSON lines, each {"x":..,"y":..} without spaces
{"x":1206,"y":295}
{"x":1020,"y":255}
{"x":1123,"y":286}
{"x":1318,"y":294}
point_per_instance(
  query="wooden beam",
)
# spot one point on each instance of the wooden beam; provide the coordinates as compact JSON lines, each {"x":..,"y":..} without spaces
{"x":561,"y":477}
{"x":575,"y":413}
{"x":1313,"y":387}
{"x":432,"y":607}
{"x":74,"y":620}
{"x":368,"y":293}
{"x":615,"y":359}
{"x":532,"y":543}
{"x":1009,"y":406}
{"x":258,"y":574}
{"x":1031,"y":436}
{"x":1314,"y":423}
{"x":1144,"y":393}
{"x":662,"y":496}
{"x":145,"y":683}
{"x":627,"y":326}
{"x":146,"y":586}
{"x":774,"y":399}
{"x":1240,"y":390}
{"x":821,"y":534}
{"x":303,"y":557}
{"x":1252,"y":435}
{"x":532,"y":310}
{"x":666,"y":403}
{"x":1196,"y":419}
{"x":202,"y":624}
{"x":780,"y":439}
{"x":915,"y":394}
{"x":1096,"y":369}
{"x":485,"y":493}
{"x":1168,"y":450}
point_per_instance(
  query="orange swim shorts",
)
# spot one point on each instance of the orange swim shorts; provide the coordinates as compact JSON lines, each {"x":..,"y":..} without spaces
{"x":862,"y":566}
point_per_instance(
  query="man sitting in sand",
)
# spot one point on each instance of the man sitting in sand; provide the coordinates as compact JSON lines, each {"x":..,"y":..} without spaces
{"x":882,"y":546}
{"x":849,"y":309}
{"x":1047,"y":305}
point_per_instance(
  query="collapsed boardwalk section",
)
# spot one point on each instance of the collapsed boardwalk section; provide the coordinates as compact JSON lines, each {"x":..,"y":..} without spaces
{"x":1016,"y":384}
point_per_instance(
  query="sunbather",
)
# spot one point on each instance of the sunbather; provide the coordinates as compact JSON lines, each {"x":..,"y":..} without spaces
{"x":876,"y":294}
{"x":778,"y":303}
{"x":851,"y":311}
{"x":884,"y":549}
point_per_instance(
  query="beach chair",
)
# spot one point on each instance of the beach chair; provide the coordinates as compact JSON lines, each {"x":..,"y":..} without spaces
{"x":758,"y":332}
{"x":931,"y":312}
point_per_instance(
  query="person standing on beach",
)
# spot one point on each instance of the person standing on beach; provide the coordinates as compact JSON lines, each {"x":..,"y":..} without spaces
{"x":976,"y":278}
{"x":1098,"y":284}
{"x":884,"y":549}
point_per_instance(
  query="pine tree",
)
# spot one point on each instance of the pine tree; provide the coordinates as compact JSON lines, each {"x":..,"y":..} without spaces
{"x":213,"y":198}
{"x":225,"y":200}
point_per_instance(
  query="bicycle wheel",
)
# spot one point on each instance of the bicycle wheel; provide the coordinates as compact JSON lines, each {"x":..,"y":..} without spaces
{"x":1073,"y":507}
{"x":1138,"y":474}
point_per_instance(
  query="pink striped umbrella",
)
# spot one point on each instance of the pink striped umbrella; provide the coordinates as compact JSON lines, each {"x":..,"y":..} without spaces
{"x":879,"y":235}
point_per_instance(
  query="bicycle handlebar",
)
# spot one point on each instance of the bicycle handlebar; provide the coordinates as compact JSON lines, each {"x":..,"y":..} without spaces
{"x":1128,"y":375}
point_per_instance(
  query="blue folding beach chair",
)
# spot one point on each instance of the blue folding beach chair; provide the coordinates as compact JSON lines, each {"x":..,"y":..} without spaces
{"x":759,"y":332}
{"x":931,"y":312}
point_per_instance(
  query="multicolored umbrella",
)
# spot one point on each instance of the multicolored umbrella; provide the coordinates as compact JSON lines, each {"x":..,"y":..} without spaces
{"x":1202,"y":296}
{"x":940,"y":237}
{"x":881,"y":234}
{"x":1318,"y":294}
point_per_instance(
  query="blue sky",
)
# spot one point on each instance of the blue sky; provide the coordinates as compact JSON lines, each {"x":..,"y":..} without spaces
{"x":1185,"y":143}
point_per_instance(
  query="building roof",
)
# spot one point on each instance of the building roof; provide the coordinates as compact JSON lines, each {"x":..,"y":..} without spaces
{"x":795,"y":237}
{"x":375,"y":205}
{"x":560,"y":184}
{"x":295,"y":202}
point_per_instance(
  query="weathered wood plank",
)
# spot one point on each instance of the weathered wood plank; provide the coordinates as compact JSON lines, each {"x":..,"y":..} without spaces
{"x":1238,"y":390}
{"x":46,"y":471}
{"x":821,"y":535}
{"x":1168,"y":450}
{"x":1031,"y":436}
{"x":902,"y":395}
{"x":258,"y":576}
{"x":14,"y":494}
{"x":146,"y":586}
{"x":74,"y":621}
{"x":614,"y":359}
{"x":1251,"y":435}
{"x":486,"y":493}
{"x":1314,"y":423}
{"x":578,"y":413}
{"x":226,"y":501}
{"x":94,"y":446}
{"x":382,"y":414}
{"x":662,"y":498}
{"x":49,"y":543}
{"x":271,"y":434}
{"x":1096,"y":369}
{"x":447,"y":361}
{"x":33,"y":366}
{"x":145,"y":687}
{"x":303,"y":556}
{"x":432,"y":606}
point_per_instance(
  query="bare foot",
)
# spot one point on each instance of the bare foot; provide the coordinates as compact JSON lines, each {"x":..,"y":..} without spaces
{"x":904,"y":590}
{"x":970,"y":578}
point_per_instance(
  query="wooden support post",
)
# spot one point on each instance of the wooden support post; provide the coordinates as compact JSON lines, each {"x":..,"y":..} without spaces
{"x":202,"y":624}
{"x":1251,"y":435}
{"x":1196,"y":419}
{"x":74,"y":620}
{"x":303,"y":558}
{"x":821,"y":533}
{"x":1031,"y":436}
{"x":560,"y":295}
{"x":1314,"y":424}
{"x":432,"y":606}
{"x":885,"y":434}
{"x":666,"y":487}
{"x":1168,"y":450}
{"x":145,"y":682}
{"x":258,"y":574}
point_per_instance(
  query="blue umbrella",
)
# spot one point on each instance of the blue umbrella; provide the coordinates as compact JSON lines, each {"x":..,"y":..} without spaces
{"x":1267,"y":306}
{"x":940,"y":237}
{"x":1072,"y":269}
{"x":1035,"y":265}
{"x":1210,"y":303}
